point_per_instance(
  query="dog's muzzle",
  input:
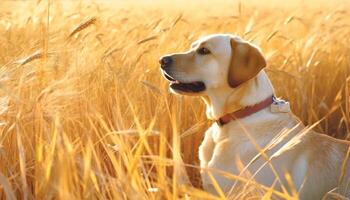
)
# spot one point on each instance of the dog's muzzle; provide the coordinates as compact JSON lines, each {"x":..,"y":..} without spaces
{"x":191,"y":87}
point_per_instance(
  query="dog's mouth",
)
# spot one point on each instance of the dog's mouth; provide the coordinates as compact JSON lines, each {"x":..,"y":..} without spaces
{"x":191,"y":87}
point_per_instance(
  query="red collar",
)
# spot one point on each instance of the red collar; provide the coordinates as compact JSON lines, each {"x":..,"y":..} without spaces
{"x":244,"y":112}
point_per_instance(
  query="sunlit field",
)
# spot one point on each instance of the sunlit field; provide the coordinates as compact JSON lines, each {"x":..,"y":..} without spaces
{"x":85,"y":113}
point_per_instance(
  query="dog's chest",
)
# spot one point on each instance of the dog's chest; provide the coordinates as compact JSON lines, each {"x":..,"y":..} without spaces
{"x":239,"y":144}
{"x":239,"y":132}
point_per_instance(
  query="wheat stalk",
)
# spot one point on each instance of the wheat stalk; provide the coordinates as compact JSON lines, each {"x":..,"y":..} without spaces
{"x":83,"y":26}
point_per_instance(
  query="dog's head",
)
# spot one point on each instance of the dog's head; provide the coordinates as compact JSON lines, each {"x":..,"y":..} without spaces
{"x":212,"y":62}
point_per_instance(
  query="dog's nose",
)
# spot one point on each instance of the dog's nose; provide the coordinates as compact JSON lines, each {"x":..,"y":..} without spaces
{"x":165,"y":61}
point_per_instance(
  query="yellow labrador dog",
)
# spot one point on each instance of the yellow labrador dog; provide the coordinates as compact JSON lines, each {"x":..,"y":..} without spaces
{"x":254,"y":134}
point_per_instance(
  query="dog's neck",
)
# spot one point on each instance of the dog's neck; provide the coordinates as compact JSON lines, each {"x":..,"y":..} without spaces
{"x":220,"y":101}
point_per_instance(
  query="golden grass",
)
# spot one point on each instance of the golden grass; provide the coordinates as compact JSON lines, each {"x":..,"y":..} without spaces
{"x":85,"y":114}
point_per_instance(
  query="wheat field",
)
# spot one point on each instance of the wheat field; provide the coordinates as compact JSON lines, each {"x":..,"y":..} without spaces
{"x":85,"y":113}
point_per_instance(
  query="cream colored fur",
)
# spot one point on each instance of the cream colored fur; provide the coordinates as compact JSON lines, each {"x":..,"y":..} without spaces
{"x":264,"y":146}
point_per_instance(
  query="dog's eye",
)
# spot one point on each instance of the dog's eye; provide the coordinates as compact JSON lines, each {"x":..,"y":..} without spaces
{"x":203,"y":51}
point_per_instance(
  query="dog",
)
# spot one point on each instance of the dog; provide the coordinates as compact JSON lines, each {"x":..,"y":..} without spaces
{"x":254,"y":135}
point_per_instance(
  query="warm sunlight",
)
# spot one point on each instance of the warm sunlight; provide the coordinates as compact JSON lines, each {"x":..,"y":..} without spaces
{"x":86,"y":111}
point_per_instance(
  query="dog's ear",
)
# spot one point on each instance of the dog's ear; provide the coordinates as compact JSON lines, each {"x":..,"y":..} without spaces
{"x":246,"y":62}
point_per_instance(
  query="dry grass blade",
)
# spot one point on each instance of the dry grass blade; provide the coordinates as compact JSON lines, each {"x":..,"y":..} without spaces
{"x":216,"y":185}
{"x":133,"y":133}
{"x":152,"y":87}
{"x":249,"y":27}
{"x":289,"y":19}
{"x":4,"y":101}
{"x":344,"y":166}
{"x":36,"y":55}
{"x":271,"y":35}
{"x":147,"y":39}
{"x":83,"y":26}
{"x":192,"y":130}
{"x":10,"y":195}
{"x":110,"y":52}
{"x":177,"y":20}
